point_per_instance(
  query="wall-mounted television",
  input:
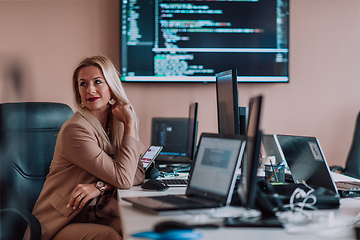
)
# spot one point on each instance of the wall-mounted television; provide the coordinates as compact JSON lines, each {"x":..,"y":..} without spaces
{"x":190,"y":41}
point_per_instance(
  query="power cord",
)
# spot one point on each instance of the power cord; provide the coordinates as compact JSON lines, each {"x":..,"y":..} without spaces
{"x":297,"y":214}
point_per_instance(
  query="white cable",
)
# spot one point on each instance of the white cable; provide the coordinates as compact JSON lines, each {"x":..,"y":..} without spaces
{"x":297,"y":214}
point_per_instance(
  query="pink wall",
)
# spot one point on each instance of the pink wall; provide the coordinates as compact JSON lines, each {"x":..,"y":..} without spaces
{"x":48,"y":38}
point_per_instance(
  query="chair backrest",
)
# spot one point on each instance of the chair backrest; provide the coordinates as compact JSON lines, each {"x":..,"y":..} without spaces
{"x":352,"y":167}
{"x":28,"y":132}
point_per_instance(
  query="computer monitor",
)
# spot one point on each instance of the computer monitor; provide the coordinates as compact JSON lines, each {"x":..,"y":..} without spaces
{"x":192,"y":131}
{"x":250,"y":163}
{"x":170,"y":133}
{"x":232,"y":119}
{"x":227,"y":102}
{"x":251,"y":196}
{"x":177,"y":136}
{"x":243,"y":118}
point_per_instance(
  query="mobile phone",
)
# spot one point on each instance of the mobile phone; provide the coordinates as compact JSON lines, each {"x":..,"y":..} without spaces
{"x":150,"y":155}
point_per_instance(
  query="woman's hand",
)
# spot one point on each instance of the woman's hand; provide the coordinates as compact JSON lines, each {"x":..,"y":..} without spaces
{"x":124,"y":114}
{"x":82,"y":194}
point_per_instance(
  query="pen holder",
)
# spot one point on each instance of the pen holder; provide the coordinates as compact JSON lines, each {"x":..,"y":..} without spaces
{"x":275,"y":174}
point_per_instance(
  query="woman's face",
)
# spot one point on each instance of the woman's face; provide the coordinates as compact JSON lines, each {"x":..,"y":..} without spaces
{"x":93,"y":88}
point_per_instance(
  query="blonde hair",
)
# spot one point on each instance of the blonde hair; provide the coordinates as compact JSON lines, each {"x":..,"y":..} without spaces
{"x":113,"y":80}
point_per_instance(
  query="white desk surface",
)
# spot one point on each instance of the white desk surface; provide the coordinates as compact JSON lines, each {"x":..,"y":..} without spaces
{"x":325,"y":227}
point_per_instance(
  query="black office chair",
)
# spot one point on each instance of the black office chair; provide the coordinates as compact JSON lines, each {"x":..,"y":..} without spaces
{"x":352,"y":165}
{"x":28,"y":133}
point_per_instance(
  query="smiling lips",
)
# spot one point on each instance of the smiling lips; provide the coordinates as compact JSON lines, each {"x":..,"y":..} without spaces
{"x":93,"y":99}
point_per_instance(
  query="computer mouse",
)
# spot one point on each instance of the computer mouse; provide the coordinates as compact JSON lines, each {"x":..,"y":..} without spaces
{"x":170,"y":225}
{"x":154,"y":185}
{"x":176,"y":225}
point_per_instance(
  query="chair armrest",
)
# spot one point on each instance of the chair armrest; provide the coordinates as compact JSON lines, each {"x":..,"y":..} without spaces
{"x":14,"y":217}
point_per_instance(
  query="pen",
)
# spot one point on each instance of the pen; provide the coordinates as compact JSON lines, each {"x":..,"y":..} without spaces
{"x":272,"y":174}
{"x":280,"y":164}
{"x":274,"y":171}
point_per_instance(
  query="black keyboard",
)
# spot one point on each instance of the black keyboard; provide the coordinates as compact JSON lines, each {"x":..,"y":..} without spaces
{"x":175,"y":181}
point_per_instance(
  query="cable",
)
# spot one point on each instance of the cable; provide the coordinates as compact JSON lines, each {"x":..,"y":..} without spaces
{"x":297,"y":214}
{"x":300,"y":221}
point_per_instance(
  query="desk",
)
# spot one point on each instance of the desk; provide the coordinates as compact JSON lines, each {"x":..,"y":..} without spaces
{"x":135,"y":220}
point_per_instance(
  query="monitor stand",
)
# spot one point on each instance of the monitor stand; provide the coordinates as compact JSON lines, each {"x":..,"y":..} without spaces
{"x":267,"y":219}
{"x":253,"y":222}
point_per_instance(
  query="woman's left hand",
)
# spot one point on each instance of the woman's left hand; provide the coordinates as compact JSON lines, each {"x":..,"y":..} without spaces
{"x":125,"y":114}
{"x":82,"y":194}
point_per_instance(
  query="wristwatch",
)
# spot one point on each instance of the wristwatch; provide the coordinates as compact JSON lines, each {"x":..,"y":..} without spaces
{"x":101,"y":186}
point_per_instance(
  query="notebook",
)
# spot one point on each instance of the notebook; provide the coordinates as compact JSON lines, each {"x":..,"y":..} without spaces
{"x":211,"y":181}
{"x":307,"y":162}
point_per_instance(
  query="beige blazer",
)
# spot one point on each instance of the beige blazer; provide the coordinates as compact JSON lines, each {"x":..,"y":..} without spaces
{"x":79,"y":158}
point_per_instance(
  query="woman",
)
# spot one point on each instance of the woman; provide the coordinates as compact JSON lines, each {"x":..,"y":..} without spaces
{"x":97,"y":151}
